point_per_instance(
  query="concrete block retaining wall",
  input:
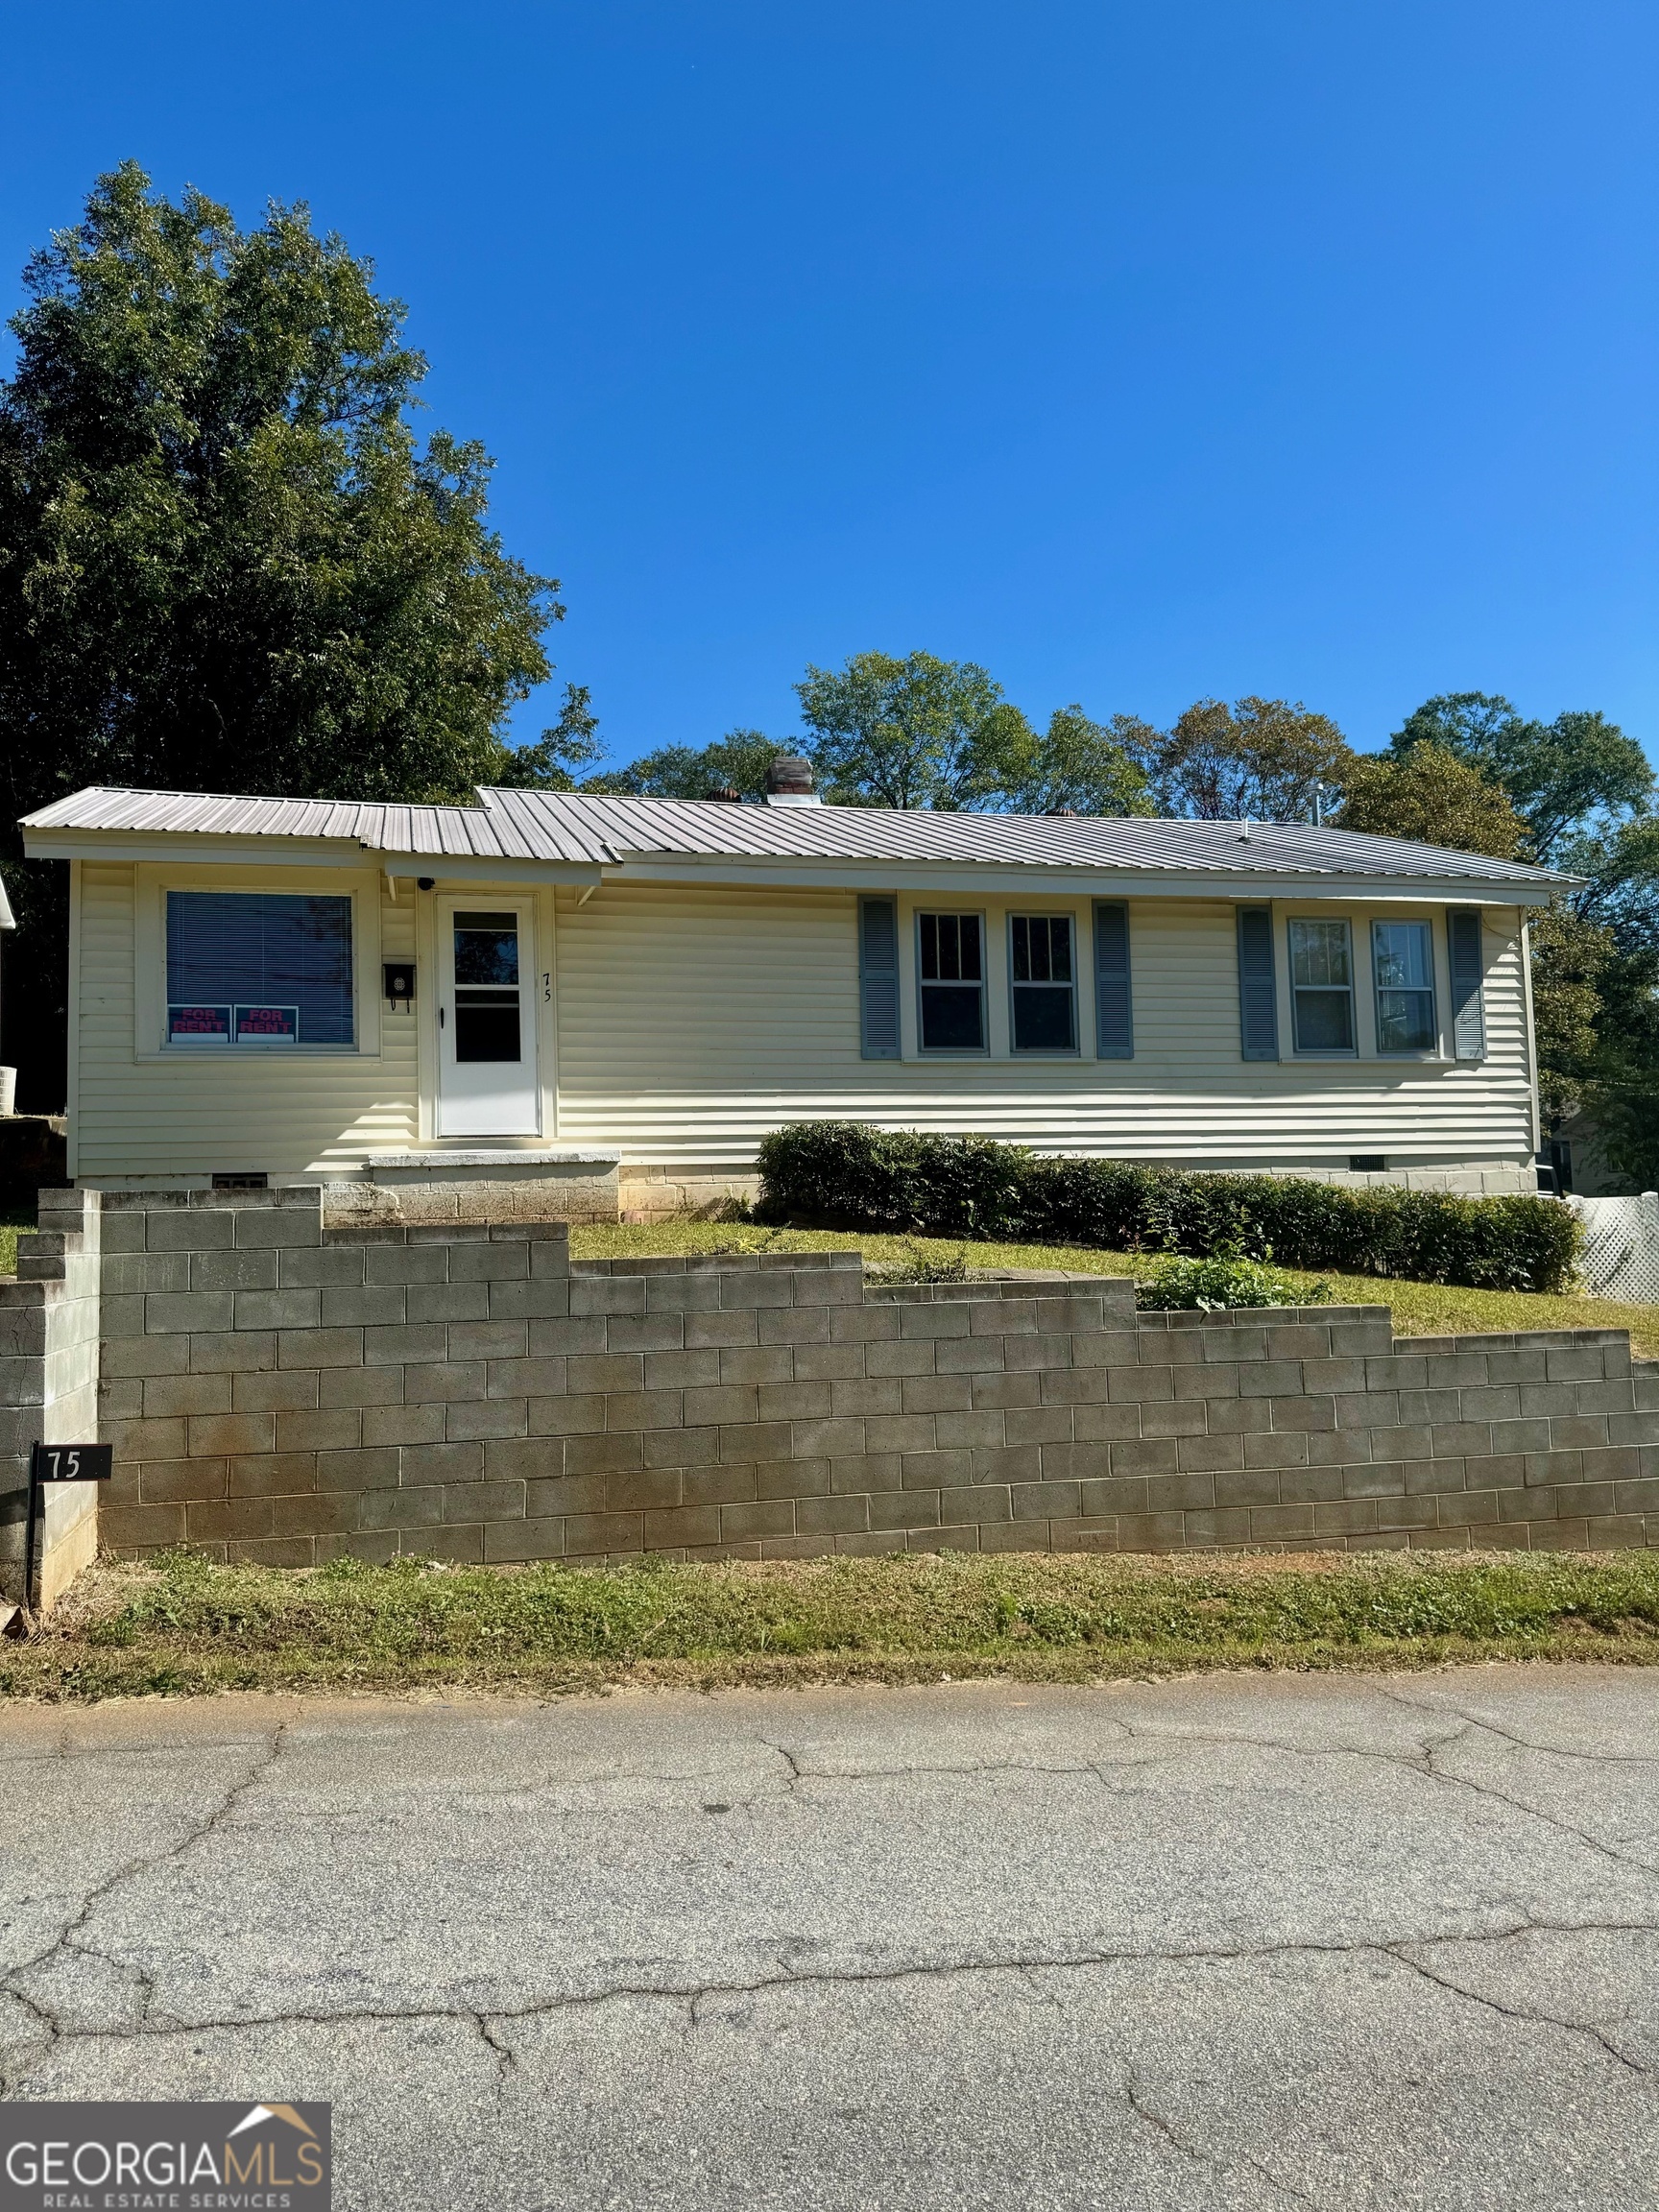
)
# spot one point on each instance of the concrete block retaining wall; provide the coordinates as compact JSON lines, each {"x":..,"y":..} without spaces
{"x":49,"y":1314}
{"x":281,"y":1391}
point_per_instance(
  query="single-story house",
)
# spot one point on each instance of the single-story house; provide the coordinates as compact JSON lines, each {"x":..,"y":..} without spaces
{"x":627,"y":994}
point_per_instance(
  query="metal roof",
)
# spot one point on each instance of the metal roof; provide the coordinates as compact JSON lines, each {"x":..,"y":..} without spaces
{"x":597,"y":830}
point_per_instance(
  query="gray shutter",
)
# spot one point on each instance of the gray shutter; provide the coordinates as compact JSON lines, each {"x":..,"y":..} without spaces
{"x":1468,"y":974}
{"x":1258,"y":992}
{"x":1114,"y":1008}
{"x":878,"y":976}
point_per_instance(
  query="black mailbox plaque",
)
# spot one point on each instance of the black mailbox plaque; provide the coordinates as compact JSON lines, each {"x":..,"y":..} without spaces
{"x":59,"y":1463}
{"x":71,"y":1462}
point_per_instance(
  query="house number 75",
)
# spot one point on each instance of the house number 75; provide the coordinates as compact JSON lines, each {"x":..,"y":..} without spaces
{"x":547,"y":988}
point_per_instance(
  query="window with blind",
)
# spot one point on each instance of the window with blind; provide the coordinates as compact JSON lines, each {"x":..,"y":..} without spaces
{"x":259,"y":971}
{"x":1322,"y":986}
{"x":1043,"y":979}
{"x":1402,"y":967}
{"x":950,"y":971}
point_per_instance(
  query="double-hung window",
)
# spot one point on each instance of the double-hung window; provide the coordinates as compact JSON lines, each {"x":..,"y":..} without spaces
{"x":1043,"y":978}
{"x":258,"y":970}
{"x":950,"y":952}
{"x":1403,"y":964}
{"x":1322,"y":986}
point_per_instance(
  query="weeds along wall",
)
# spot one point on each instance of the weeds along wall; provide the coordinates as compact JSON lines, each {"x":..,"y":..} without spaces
{"x":283,"y":1391}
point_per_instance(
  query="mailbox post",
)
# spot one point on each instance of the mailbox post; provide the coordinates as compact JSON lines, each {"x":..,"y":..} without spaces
{"x":59,"y":1463}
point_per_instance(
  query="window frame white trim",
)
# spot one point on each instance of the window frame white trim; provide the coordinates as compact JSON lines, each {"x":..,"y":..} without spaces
{"x":982,"y":1050}
{"x":534,"y":1000}
{"x":154,"y":880}
{"x":1016,"y":1051}
{"x":1436,"y":1000}
{"x":1298,"y":1050}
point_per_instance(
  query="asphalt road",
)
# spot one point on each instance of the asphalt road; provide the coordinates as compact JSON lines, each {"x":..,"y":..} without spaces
{"x":1229,"y":1942}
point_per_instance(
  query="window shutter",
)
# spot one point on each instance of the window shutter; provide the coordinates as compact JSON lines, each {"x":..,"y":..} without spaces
{"x":1114,"y":1007}
{"x":1468,"y":1001}
{"x":878,"y":976}
{"x":1257,"y":992}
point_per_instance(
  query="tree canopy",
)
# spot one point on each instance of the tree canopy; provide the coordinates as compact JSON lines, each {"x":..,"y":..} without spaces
{"x":737,"y":762}
{"x":919,"y":731}
{"x":226,"y":563}
{"x":1564,"y":776}
{"x":1468,"y":770}
{"x":1076,"y":766}
{"x":1266,"y":759}
{"x":1433,"y":797}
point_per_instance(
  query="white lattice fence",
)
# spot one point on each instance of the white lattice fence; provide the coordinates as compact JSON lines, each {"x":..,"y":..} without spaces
{"x":1621,"y":1257}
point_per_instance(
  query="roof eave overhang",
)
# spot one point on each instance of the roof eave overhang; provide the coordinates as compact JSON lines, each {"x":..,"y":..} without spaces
{"x":204,"y":851}
{"x":833,"y":872}
{"x":1042,"y":878}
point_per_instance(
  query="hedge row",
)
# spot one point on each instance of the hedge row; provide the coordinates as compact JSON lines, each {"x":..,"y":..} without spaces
{"x":844,"y":1174}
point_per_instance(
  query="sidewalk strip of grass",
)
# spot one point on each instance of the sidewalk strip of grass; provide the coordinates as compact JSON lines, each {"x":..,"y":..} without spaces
{"x":184,"y":1625}
{"x":1420,"y":1309}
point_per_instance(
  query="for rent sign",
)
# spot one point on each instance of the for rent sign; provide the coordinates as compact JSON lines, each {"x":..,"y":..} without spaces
{"x":164,"y":2159}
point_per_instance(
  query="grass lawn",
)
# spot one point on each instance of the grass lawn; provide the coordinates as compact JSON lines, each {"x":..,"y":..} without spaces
{"x":183,"y":1626}
{"x":1420,"y":1309}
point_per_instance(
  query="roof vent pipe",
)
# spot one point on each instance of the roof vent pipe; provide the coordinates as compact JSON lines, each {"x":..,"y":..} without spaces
{"x":1244,"y":830}
{"x":789,"y":781}
{"x":727,"y":795}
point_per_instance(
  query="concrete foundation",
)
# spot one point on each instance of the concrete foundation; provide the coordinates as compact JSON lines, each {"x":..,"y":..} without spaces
{"x":665,"y":1194}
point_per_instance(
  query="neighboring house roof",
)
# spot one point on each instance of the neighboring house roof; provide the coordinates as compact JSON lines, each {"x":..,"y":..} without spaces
{"x":604,"y":831}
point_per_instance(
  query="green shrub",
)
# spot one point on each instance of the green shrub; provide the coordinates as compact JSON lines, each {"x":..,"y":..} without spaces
{"x":1226,"y":1279}
{"x":843,"y":1174}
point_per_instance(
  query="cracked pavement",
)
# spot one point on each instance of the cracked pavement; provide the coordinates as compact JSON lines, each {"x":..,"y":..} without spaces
{"x":1235,"y":1941}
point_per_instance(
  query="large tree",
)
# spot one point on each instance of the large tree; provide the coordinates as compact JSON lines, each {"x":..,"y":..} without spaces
{"x":919,"y":731}
{"x":1433,"y":797}
{"x":1467,"y":769}
{"x":1268,"y":758}
{"x":737,"y":762}
{"x":1564,"y":776}
{"x":1076,"y":766}
{"x":226,"y":563}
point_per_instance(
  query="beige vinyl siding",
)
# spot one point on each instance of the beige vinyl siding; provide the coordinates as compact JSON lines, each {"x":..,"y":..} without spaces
{"x":688,"y":1022}
{"x":192,"y":1113}
{"x":691,"y":1022}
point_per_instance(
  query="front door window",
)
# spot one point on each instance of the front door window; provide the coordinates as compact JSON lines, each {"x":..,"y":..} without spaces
{"x":486,"y":986}
{"x":487,"y":1024}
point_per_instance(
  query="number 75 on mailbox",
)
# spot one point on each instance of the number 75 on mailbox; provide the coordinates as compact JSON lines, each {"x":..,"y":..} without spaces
{"x":71,"y":1462}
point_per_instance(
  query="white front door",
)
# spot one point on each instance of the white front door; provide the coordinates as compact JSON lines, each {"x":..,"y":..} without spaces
{"x":486,"y":1083}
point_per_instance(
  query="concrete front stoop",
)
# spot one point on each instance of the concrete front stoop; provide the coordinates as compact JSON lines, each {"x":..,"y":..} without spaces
{"x":556,"y":1182}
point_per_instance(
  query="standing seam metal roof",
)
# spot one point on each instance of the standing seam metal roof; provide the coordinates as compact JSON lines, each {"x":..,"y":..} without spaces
{"x":600,"y":830}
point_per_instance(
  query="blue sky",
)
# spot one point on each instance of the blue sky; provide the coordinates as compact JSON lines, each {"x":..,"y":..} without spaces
{"x":1138,"y":352}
